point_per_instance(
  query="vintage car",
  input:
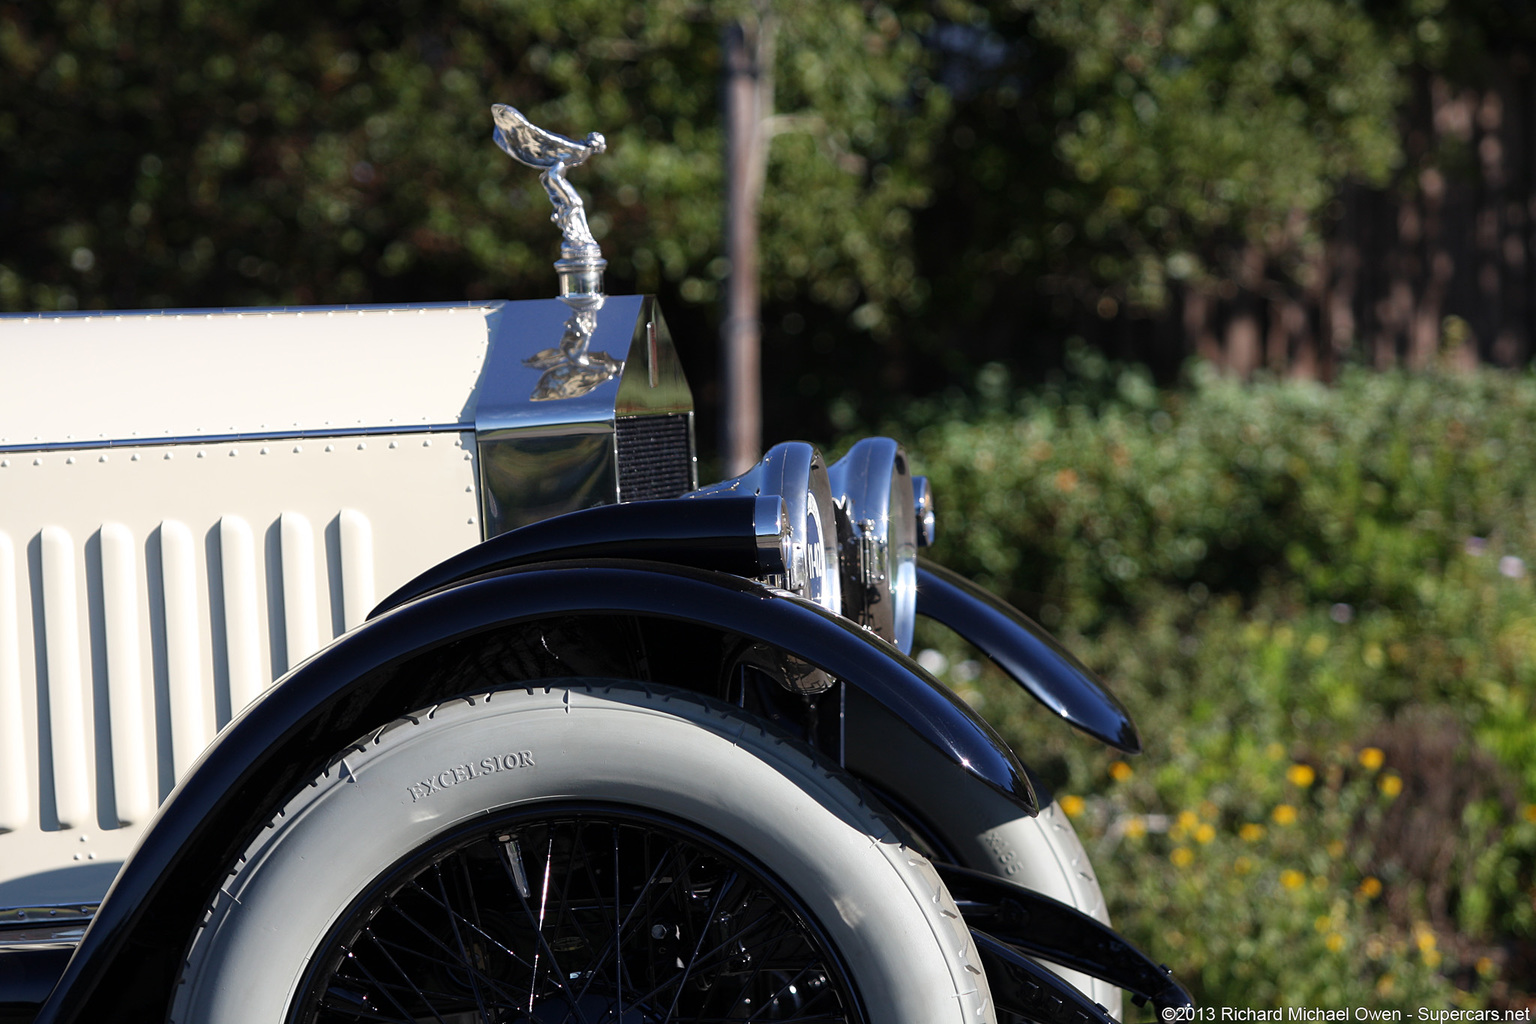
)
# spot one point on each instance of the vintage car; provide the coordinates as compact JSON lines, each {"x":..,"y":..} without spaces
{"x":388,"y":663}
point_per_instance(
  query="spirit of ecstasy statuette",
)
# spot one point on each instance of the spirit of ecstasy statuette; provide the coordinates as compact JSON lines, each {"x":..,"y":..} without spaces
{"x":581,"y":261}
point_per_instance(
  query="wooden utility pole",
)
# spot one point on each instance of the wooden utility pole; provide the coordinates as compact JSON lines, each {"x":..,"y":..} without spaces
{"x":748,"y":103}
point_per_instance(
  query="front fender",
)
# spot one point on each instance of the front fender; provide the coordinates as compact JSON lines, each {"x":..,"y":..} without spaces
{"x":1027,"y":653}
{"x":127,"y":962}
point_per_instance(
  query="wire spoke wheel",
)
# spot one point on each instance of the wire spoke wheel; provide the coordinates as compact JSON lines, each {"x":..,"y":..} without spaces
{"x":576,"y":914}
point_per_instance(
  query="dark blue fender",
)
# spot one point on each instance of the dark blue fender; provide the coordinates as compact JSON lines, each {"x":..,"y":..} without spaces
{"x":1025,"y":651}
{"x":1051,"y":930}
{"x":127,"y":962}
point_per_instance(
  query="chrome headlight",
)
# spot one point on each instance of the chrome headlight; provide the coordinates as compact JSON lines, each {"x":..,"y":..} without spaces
{"x":796,"y":472}
{"x":874,"y":487}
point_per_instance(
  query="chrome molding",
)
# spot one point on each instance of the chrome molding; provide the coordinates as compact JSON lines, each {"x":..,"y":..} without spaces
{"x":243,"y":438}
{"x":48,"y":915}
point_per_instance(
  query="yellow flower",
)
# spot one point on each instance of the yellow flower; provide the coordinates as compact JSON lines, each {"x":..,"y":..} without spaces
{"x":1334,"y":942}
{"x":1300,"y":775}
{"x":1251,"y":832}
{"x":1135,"y":827}
{"x":1204,"y":834}
{"x":1073,"y":805}
{"x":1431,"y":957}
{"x":1285,"y":814}
{"x":1385,"y":984}
{"x":1391,"y":784}
{"x":1292,"y":879}
{"x":1186,"y":821}
{"x":1372,"y":758}
{"x":1370,"y":888}
{"x":1242,"y":865}
{"x":1120,"y":771}
{"x":1322,"y":923}
{"x":1486,"y":967}
{"x":1528,"y":812}
{"x":1336,"y":849}
{"x":1182,"y":856}
{"x":1423,"y":937}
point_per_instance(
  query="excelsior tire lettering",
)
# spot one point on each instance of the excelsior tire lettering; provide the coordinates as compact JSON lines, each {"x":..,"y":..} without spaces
{"x":469,"y":770}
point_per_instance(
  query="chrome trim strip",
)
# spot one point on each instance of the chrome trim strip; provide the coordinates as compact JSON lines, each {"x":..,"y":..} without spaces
{"x":241,"y":438}
{"x":47,"y":914}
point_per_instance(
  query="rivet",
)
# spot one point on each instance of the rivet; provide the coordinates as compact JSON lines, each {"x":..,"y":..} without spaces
{"x":4,"y":463}
{"x":471,"y":520}
{"x":134,"y":457}
{"x":167,"y":456}
{"x":69,"y":461}
{"x":297,"y":448}
{"x":102,"y":459}
{"x":265,"y":451}
{"x":330,"y":447}
{"x":233,"y":452}
{"x":201,"y":454}
{"x":392,"y":444}
{"x":37,"y":462}
{"x":426,"y":444}
{"x":361,"y":445}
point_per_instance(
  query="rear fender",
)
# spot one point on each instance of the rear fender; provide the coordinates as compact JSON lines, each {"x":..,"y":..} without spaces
{"x":474,"y":636}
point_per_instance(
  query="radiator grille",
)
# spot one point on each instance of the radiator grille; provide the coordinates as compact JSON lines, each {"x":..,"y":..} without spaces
{"x":655,"y":456}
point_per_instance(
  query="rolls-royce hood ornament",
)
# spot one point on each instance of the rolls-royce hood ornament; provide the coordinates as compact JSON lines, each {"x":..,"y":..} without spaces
{"x":581,"y":261}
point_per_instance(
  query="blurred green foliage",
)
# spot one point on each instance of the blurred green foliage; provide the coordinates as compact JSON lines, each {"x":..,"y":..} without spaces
{"x":1317,"y":602}
{"x":249,"y":152}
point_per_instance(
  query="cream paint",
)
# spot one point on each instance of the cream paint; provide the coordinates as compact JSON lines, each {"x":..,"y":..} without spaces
{"x":161,"y":588}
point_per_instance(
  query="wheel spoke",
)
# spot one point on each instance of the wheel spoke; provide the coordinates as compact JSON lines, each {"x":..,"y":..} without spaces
{"x":616,"y":918}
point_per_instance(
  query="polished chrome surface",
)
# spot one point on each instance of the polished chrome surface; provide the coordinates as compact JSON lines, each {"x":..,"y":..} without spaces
{"x":545,"y":423}
{"x":775,"y":536}
{"x":572,"y":369}
{"x":581,"y":261}
{"x":922,"y":498}
{"x":873,"y":487}
{"x":796,"y":472}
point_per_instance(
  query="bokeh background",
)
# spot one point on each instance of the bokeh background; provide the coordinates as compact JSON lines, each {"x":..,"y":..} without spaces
{"x":1210,"y":320}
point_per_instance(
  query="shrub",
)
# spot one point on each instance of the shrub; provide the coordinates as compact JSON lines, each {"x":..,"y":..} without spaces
{"x":1287,"y":584}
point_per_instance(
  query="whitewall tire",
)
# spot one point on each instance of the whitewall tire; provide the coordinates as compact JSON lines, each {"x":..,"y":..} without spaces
{"x":583,"y":850}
